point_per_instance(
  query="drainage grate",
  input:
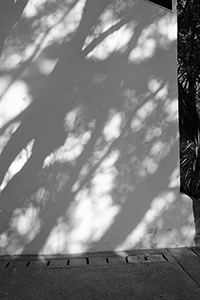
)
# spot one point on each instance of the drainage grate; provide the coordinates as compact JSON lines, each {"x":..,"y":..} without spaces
{"x":156,"y":257}
{"x":61,"y":263}
{"x":83,"y":261}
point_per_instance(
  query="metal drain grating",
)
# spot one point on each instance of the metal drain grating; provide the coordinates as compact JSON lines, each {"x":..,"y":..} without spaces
{"x":56,"y":263}
{"x":156,"y":257}
{"x":61,"y":263}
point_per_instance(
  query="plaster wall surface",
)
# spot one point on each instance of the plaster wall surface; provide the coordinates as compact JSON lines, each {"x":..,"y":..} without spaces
{"x":89,"y":129}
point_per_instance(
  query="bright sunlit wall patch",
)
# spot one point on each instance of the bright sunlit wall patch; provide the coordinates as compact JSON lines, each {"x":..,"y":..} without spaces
{"x":14,"y":101}
{"x":160,"y":34}
{"x":18,"y":163}
{"x":155,"y":230}
{"x":90,"y":215}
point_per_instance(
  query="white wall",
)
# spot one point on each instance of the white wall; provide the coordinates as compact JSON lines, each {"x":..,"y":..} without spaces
{"x":89,"y":132}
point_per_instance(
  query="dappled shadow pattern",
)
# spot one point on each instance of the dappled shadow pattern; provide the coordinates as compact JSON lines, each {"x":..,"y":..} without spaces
{"x":90,"y":152}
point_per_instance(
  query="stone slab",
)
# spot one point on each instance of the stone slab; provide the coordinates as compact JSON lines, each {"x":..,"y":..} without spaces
{"x":144,"y":281}
{"x":189,"y":261}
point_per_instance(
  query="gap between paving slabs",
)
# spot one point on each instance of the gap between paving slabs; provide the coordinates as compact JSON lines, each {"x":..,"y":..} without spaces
{"x":196,"y":250}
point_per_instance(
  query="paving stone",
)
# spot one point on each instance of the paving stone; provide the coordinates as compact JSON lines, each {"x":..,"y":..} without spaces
{"x":154,"y":257}
{"x":189,"y":262}
{"x":168,"y":281}
{"x":17,"y":264}
{"x":39,"y":264}
{"x":75,"y":262}
{"x":96,"y":261}
{"x":197,"y":251}
{"x":136,"y":259}
{"x":117,"y":260}
{"x":58,"y":263}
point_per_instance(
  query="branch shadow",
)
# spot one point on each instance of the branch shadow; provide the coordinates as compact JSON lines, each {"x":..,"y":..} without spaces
{"x":97,"y":86}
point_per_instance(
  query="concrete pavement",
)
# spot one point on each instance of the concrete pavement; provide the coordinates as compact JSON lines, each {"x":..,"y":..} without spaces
{"x":170,"y":274}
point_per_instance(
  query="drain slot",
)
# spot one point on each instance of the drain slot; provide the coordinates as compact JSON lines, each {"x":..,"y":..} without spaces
{"x":7,"y":264}
{"x":28,"y":263}
{"x":68,"y":262}
{"x":107,"y":260}
{"x":48,"y":263}
{"x":87,"y":260}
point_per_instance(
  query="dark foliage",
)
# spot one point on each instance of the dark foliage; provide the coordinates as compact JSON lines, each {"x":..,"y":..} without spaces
{"x":189,"y":88}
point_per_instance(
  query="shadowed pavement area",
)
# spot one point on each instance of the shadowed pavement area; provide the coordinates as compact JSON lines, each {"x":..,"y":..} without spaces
{"x":145,"y":274}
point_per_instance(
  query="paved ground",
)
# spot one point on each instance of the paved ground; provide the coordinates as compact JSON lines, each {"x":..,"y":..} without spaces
{"x":170,"y":274}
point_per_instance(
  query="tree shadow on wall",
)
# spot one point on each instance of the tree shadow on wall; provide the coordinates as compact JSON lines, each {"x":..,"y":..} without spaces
{"x":65,"y":130}
{"x":138,"y":202}
{"x":11,"y":12}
